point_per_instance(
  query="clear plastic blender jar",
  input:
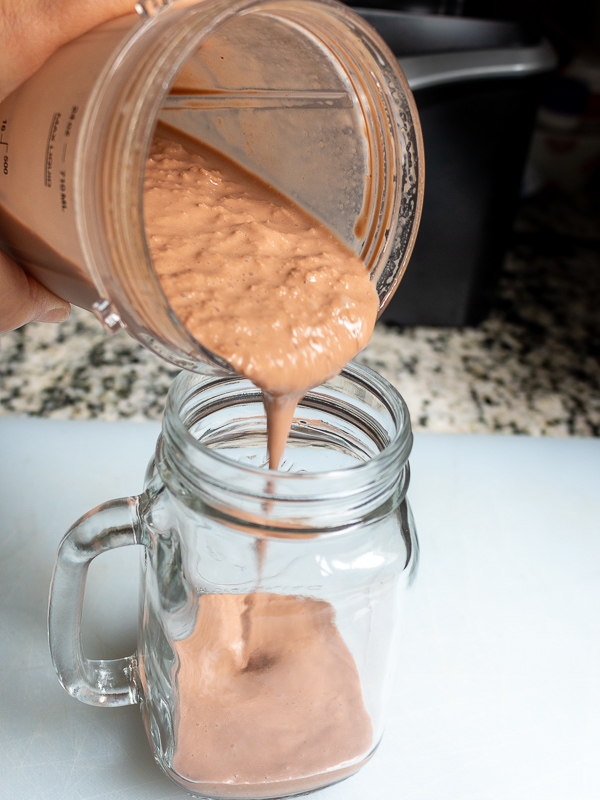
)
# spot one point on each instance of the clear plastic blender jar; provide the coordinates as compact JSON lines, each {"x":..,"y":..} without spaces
{"x":303,"y":93}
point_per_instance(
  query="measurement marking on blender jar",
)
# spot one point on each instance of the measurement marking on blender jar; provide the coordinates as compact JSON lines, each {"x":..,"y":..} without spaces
{"x":5,"y":156}
{"x":63,"y":190}
{"x":50,"y":148}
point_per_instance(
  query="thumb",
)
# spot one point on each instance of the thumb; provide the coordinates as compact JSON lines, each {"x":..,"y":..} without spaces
{"x":23,"y":299}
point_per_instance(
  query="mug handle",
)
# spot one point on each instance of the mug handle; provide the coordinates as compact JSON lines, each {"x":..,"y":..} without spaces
{"x":116,"y":523}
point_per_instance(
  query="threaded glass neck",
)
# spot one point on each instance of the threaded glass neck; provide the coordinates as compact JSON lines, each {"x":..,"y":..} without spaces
{"x":345,"y":460}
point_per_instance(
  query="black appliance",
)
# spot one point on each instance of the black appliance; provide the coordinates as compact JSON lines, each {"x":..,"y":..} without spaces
{"x":476,"y":85}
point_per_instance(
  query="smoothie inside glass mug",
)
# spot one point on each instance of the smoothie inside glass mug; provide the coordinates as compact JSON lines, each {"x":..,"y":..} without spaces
{"x":302,"y":93}
{"x":271,"y":602}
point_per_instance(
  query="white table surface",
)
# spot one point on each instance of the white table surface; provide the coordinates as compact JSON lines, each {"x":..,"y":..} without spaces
{"x":498,"y":695}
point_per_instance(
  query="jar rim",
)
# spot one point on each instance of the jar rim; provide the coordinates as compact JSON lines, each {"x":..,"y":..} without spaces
{"x":397,"y":449}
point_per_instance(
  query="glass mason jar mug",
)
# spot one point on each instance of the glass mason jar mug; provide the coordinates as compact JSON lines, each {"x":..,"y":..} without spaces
{"x":271,"y":601}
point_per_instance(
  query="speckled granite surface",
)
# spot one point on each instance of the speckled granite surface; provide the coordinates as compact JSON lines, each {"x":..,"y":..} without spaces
{"x":532,"y":367}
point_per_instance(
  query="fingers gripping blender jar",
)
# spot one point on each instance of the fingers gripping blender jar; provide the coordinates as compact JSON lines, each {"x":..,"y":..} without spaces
{"x":302,"y":93}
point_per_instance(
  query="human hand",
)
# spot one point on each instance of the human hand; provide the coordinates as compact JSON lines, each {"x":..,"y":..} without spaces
{"x":30,"y":31}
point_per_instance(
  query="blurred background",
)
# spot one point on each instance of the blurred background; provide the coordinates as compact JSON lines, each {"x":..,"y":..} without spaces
{"x":496,"y":325}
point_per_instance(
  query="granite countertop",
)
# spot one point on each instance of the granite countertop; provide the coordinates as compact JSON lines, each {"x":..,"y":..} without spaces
{"x":532,"y":367}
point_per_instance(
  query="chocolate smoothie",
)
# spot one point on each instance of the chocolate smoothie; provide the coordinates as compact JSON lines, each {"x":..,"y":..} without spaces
{"x":269,"y":694}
